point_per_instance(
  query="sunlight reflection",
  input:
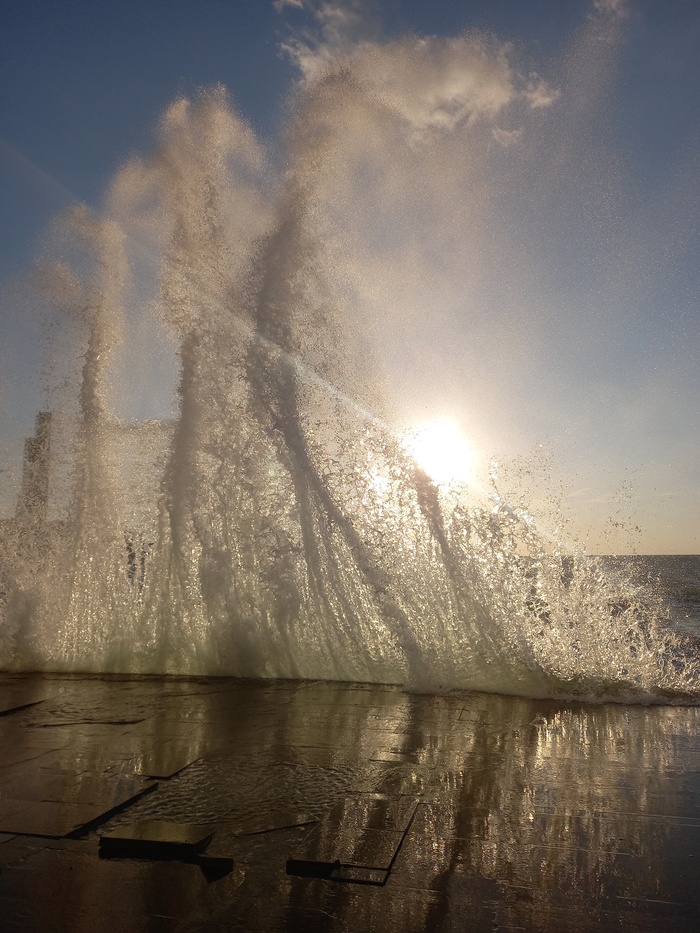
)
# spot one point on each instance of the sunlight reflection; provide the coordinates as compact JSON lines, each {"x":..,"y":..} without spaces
{"x":442,"y":451}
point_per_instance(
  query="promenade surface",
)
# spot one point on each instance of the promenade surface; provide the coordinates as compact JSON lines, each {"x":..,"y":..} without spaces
{"x":341,"y":807}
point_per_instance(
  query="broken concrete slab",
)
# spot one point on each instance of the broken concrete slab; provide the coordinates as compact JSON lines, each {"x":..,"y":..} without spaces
{"x":157,"y":837}
{"x":55,"y":819}
{"x":162,"y":840}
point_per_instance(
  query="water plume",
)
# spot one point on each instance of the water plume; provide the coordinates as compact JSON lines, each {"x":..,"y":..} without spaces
{"x":275,"y":526}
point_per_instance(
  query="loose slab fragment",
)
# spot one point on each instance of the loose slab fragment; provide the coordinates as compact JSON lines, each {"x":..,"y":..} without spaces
{"x":49,"y":818}
{"x":10,"y":705}
{"x":337,"y":871}
{"x":55,"y":819}
{"x":312,"y":868}
{"x":18,"y":696}
{"x":157,"y":838}
{"x":352,"y":846}
{"x":253,"y":825}
{"x":357,"y":842}
{"x":96,"y":789}
{"x":358,"y":874}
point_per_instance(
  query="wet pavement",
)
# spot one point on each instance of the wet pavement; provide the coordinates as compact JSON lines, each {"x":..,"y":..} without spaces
{"x":181,"y":805}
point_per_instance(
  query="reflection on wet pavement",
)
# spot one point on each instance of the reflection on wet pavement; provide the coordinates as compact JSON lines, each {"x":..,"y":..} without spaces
{"x":343,"y":807}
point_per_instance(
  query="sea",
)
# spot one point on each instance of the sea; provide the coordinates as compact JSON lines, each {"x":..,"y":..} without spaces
{"x":675,"y":577}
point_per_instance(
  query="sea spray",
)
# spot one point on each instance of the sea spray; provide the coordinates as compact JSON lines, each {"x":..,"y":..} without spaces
{"x":287,"y":532}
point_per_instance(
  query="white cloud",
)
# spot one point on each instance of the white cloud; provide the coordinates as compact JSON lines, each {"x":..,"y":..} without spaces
{"x":437,"y":83}
{"x":432,"y":83}
{"x":279,"y":5}
{"x":616,"y":8}
{"x":506,"y":138}
{"x":344,"y":21}
{"x":341,"y":26}
{"x":538,"y":93}
{"x":607,"y":17}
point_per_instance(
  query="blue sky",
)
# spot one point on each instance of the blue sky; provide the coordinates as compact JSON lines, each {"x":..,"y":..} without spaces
{"x":542,"y":284}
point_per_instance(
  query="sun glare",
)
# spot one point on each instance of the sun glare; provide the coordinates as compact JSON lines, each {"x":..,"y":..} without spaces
{"x":442,"y":451}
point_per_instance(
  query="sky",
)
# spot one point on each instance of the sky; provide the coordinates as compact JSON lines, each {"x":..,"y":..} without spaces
{"x":520,"y":186}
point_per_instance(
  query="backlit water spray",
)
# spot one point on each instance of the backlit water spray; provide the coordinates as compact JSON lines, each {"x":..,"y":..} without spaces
{"x":275,"y":526}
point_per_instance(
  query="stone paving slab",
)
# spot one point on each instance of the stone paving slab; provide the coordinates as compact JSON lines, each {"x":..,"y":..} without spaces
{"x":481,"y":812}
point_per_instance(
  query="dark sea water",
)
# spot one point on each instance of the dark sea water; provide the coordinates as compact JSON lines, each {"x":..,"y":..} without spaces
{"x":674,"y":577}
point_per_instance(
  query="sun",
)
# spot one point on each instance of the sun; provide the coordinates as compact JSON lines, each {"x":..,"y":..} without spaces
{"x":442,"y":451}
